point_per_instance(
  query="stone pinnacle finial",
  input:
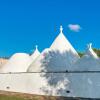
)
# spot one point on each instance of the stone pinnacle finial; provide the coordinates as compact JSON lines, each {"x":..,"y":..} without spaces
{"x":61,"y":29}
{"x":36,"y":47}
{"x":89,"y":45}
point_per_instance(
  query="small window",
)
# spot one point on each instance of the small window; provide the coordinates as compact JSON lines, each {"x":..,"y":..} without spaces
{"x":67,"y":91}
{"x":7,"y":87}
{"x":66,"y":70}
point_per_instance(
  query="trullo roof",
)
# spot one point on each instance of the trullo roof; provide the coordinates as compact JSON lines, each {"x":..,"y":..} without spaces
{"x":19,"y":62}
{"x":59,"y":57}
{"x":89,"y":62}
{"x":36,"y":65}
{"x":62,"y":44}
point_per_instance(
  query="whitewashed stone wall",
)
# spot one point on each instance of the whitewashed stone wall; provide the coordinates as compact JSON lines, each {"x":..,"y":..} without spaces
{"x":56,"y":84}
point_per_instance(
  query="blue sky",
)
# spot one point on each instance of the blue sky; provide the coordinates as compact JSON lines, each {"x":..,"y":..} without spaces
{"x":25,"y":23}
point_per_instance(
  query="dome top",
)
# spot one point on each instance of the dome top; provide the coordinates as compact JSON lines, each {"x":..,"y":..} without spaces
{"x":19,"y":62}
{"x":20,"y":54}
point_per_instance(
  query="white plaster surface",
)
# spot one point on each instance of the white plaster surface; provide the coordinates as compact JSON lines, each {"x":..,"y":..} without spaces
{"x":19,"y":62}
{"x":56,"y":84}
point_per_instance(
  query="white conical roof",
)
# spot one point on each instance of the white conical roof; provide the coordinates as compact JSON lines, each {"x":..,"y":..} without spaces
{"x":90,"y":51}
{"x":19,"y":62}
{"x":89,"y":62}
{"x":35,"y":54}
{"x":36,"y":65}
{"x":62,"y":44}
{"x":59,"y":57}
{"x":64,"y":47}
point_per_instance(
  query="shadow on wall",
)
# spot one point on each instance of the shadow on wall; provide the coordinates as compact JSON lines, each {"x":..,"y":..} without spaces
{"x":56,"y":61}
{"x":57,"y":83}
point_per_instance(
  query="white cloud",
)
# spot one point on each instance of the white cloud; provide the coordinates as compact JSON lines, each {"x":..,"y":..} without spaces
{"x":74,"y":27}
